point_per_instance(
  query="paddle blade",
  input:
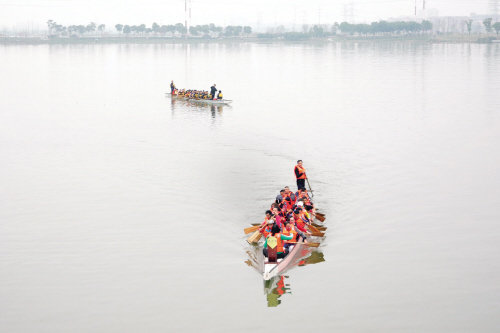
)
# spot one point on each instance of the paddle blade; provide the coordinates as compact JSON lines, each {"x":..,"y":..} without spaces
{"x":254,"y":238}
{"x":319,"y":227}
{"x":251,"y":229}
{"x":321,"y":218}
{"x":313,"y":228}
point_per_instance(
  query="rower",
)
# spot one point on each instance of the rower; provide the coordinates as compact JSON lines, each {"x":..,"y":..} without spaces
{"x":289,"y":193}
{"x":275,"y":241}
{"x":278,"y":217}
{"x":289,"y":197}
{"x":219,"y":96}
{"x":265,"y":229}
{"x":280,"y":197}
{"x":301,"y":193}
{"x":300,"y":174}
{"x":289,"y":230}
{"x":299,"y":228}
{"x":308,"y":205}
{"x":268,"y":217}
{"x":304,"y":214}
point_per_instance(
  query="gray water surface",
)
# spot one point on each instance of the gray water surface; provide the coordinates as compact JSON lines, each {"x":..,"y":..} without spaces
{"x":123,"y":211}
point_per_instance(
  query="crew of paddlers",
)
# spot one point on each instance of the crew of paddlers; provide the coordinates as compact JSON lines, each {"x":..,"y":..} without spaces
{"x":196,"y":94}
{"x":288,"y":216}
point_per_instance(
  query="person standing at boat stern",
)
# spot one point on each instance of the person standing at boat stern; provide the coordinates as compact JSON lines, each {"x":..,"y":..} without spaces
{"x":300,"y":174}
{"x":172,"y":87}
{"x":213,"y":90}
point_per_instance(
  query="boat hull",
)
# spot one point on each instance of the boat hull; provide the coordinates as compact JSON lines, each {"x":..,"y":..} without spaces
{"x":201,"y":101}
{"x":298,"y":252}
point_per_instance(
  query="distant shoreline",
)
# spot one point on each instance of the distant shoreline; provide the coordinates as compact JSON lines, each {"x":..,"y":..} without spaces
{"x":178,"y":40}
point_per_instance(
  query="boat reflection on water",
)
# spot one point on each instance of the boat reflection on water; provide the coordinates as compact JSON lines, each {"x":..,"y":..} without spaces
{"x":276,"y":287}
{"x":215,"y":109}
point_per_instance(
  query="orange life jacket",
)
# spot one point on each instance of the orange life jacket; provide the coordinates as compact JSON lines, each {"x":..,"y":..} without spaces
{"x":279,"y":246}
{"x":289,"y":196}
{"x":301,"y":194}
{"x":290,"y":232}
{"x":266,"y":231}
{"x":302,"y":171}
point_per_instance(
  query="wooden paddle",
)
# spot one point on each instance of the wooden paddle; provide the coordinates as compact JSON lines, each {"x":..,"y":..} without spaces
{"x":254,"y":238}
{"x":317,"y":234}
{"x":322,"y":218}
{"x":310,"y":189}
{"x":319,"y":227}
{"x":308,"y":244}
{"x":251,"y":229}
{"x":313,"y":228}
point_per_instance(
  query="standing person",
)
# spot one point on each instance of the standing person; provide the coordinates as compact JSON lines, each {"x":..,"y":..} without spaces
{"x":300,"y":174}
{"x":172,"y":87}
{"x":213,"y":90}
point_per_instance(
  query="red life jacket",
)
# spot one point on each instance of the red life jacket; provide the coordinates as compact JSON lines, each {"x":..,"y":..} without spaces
{"x":300,"y":222}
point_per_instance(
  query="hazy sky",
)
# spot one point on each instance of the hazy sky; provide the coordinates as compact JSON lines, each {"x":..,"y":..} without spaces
{"x":20,"y":14}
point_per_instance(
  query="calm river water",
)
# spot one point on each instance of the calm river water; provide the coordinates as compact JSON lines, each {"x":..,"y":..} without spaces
{"x":123,"y":211}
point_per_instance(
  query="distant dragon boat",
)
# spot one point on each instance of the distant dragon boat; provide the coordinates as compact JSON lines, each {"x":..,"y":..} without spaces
{"x":201,"y":100}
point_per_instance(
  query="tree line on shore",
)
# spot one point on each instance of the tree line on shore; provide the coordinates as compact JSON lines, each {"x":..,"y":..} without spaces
{"x":156,"y":29}
{"x":211,"y":30}
{"x":398,"y":27}
{"x":375,"y":28}
{"x":61,"y":30}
